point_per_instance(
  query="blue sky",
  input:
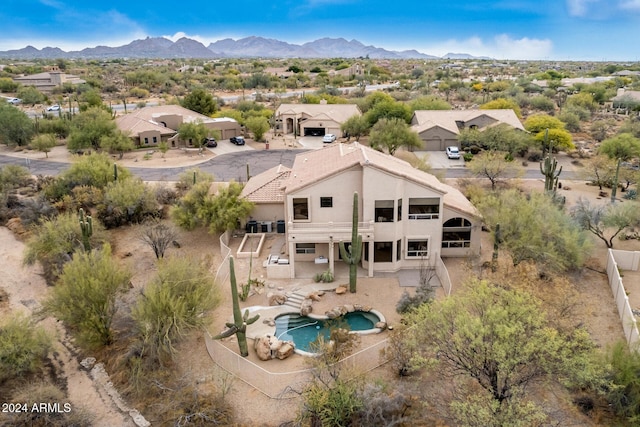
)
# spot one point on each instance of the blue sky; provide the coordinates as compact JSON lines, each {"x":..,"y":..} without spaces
{"x":601,"y":30}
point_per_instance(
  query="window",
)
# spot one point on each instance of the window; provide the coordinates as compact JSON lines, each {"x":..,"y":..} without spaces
{"x":417,"y":248}
{"x":146,"y":140}
{"x":155,"y":139}
{"x":398,"y":249}
{"x":365,"y":250}
{"x":300,"y":208}
{"x":326,"y":202}
{"x":424,"y":208}
{"x":383,"y":252}
{"x":384,"y":211}
{"x":456,"y":233}
{"x":305,"y":248}
{"x":399,"y":210}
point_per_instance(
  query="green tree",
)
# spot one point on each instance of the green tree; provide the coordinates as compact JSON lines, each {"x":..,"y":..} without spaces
{"x":602,"y":220}
{"x":502,"y":104}
{"x":534,"y":228}
{"x":200,"y":101}
{"x":127,"y":201}
{"x":23,"y":347}
{"x":501,"y":340}
{"x":429,"y":103}
{"x":556,"y":139}
{"x":494,"y":166}
{"x":44,"y":143}
{"x":621,"y":148}
{"x":257,"y":125}
{"x":193,"y":133}
{"x":118,"y":142}
{"x":8,"y":85}
{"x":85,"y":295}
{"x":16,"y":128}
{"x":54,"y":241}
{"x":30,"y":95}
{"x":88,"y":128}
{"x":540,"y":122}
{"x":391,"y":134}
{"x":223,"y":210}
{"x":355,"y":126}
{"x":623,"y":393}
{"x":388,"y":110}
{"x":174,"y":303}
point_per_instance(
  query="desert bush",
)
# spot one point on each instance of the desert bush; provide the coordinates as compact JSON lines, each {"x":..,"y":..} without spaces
{"x":624,"y":393}
{"x":23,"y":347}
{"x":324,"y":277}
{"x":191,"y":177}
{"x":534,"y":156}
{"x":55,"y":240}
{"x":13,"y":176}
{"x":44,"y":392}
{"x":127,"y":201}
{"x":383,"y":406}
{"x":335,"y":405}
{"x":85,"y":295}
{"x":630,"y":194}
{"x":157,"y":235}
{"x":36,"y":209}
{"x":165,"y":195}
{"x":173,"y":304}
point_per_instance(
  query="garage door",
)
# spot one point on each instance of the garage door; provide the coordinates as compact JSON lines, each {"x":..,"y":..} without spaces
{"x":314,"y":132}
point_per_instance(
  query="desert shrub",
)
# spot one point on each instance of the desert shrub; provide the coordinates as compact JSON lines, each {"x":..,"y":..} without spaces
{"x":165,"y":195}
{"x":624,"y":393}
{"x":467,"y":157}
{"x":13,"y":176}
{"x":630,"y":194}
{"x":127,"y":201}
{"x":85,"y":295}
{"x":324,"y":277}
{"x":571,"y":121}
{"x":173,"y":304}
{"x":383,"y":406}
{"x":335,"y":405}
{"x":191,"y":177}
{"x":23,"y":347}
{"x":534,"y":156}
{"x":36,"y":209}
{"x":48,"y":393}
{"x":54,"y":241}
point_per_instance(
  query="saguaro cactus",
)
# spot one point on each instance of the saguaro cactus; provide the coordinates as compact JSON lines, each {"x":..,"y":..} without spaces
{"x":353,"y":254}
{"x":240,"y":321}
{"x":551,"y":173}
{"x":86,"y":226}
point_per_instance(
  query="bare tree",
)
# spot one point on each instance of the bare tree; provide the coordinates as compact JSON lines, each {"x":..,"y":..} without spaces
{"x":157,"y":235}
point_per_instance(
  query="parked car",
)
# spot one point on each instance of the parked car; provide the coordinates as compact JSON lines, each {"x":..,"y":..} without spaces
{"x":238,"y":140}
{"x":14,"y":101}
{"x":54,"y":108}
{"x":453,"y":152}
{"x":210,"y":142}
{"x":329,"y":138}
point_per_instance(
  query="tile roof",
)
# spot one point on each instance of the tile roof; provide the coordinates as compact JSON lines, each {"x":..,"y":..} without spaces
{"x":135,"y":125}
{"x":313,"y":166}
{"x":446,"y":119}
{"x":188,"y":116}
{"x":337,"y":112}
{"x":267,"y":187}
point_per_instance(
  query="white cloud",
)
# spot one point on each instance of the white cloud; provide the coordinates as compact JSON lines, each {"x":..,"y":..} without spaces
{"x":630,"y":5}
{"x":501,"y":47}
{"x":579,"y":7}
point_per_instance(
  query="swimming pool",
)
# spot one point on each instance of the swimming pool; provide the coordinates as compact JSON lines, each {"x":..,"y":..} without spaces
{"x":303,"y":330}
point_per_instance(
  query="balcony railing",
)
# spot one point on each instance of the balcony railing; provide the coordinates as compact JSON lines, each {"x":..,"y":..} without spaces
{"x":329,"y":228}
{"x":456,"y":244}
{"x":424,"y":216}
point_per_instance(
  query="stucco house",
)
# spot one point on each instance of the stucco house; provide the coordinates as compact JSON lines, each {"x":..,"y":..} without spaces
{"x":439,"y":129}
{"x":49,"y":80}
{"x":313,"y":119}
{"x":407,"y":218}
{"x":149,"y":125}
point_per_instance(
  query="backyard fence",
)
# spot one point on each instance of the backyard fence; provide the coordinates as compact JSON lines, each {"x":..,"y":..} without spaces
{"x":443,"y":275}
{"x":223,"y":269}
{"x":628,"y":260}
{"x":277,"y":384}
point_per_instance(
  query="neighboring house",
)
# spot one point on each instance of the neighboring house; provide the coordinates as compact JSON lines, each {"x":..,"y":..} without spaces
{"x":354,"y":70}
{"x":150,"y":125}
{"x":313,"y":119}
{"x":47,"y":81}
{"x":407,"y":218}
{"x":626,"y":98}
{"x":439,"y":129}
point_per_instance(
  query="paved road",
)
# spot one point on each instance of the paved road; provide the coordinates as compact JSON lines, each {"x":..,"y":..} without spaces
{"x":232,"y":166}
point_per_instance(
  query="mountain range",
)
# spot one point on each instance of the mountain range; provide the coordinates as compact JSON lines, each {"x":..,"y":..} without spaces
{"x":248,"y":47}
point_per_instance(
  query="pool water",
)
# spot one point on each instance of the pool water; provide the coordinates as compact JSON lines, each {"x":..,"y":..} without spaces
{"x":304,"y":330}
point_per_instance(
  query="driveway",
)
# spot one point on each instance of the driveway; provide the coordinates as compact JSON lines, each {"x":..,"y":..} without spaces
{"x":312,"y":142}
{"x":439,"y":159}
{"x":226,"y":147}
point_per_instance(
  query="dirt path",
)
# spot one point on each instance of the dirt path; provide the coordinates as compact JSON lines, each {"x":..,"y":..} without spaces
{"x":26,"y":289}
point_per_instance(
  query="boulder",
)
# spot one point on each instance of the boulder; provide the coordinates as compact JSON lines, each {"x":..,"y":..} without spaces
{"x":277,"y":299}
{"x":16,"y":227}
{"x":341,"y":290}
{"x":262,"y":347}
{"x":381,"y":325}
{"x":350,"y":308}
{"x":314,"y":296}
{"x":306,"y":307}
{"x":285,"y":350}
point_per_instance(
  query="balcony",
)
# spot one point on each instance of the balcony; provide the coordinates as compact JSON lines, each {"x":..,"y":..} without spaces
{"x":323,"y":231}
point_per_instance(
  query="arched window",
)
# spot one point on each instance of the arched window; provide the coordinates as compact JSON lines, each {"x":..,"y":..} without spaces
{"x":456,"y":233}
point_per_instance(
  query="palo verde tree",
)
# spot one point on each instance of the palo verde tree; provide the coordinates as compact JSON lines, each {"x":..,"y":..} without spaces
{"x":620,"y":148}
{"x":494,"y":166}
{"x":353,"y":253}
{"x":88,"y":128}
{"x":85,"y":295}
{"x":501,"y":340}
{"x":391,"y":134}
{"x":606,"y":222}
{"x":355,"y":126}
{"x":157,"y":235}
{"x":15,"y":126}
